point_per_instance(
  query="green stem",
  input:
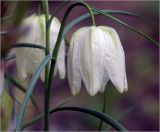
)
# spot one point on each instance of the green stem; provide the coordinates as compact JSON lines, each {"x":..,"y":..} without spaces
{"x":55,"y":53}
{"x":103,"y":110}
{"x":47,"y":52}
{"x":91,"y":14}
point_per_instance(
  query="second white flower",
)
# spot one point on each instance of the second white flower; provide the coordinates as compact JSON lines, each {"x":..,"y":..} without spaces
{"x":28,"y":59}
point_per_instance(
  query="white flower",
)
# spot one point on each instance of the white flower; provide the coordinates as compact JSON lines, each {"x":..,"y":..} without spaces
{"x":94,"y":56}
{"x":28,"y":59}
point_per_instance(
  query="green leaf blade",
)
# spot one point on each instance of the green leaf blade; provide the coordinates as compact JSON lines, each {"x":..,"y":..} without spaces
{"x":107,"y":13}
{"x":106,"y":118}
{"x":29,"y":91}
{"x":19,"y":86}
{"x":126,"y":25}
{"x":27,"y":45}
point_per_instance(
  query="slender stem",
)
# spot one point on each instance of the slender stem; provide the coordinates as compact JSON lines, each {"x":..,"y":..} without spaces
{"x":91,"y":14}
{"x":55,"y":53}
{"x":103,"y":110}
{"x":46,"y":116}
{"x":47,"y":90}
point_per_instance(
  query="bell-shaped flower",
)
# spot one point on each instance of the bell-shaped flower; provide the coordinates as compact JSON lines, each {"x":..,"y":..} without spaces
{"x":95,"y":56}
{"x":28,"y":59}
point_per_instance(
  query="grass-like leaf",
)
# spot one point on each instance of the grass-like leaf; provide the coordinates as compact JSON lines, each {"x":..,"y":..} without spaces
{"x":23,"y":45}
{"x":106,"y":118}
{"x":87,"y":15}
{"x":40,"y":116}
{"x":20,"y":86}
{"x":125,"y":24}
{"x":131,"y":14}
{"x":107,"y":13}
{"x":27,"y":45}
{"x":29,"y":92}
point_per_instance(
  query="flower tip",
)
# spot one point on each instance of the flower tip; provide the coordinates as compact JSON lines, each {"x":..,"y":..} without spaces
{"x":126,"y":89}
{"x":92,"y":93}
{"x":62,"y":76}
{"x":74,"y":93}
{"x":122,"y":90}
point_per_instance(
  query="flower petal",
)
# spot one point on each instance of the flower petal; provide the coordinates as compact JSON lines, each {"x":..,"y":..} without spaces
{"x":35,"y":56}
{"x":92,"y":59}
{"x":115,"y":59}
{"x":74,"y":75}
{"x":104,"y":82}
{"x":28,"y":59}
{"x":21,"y":64}
{"x":60,"y":64}
{"x":61,"y":61}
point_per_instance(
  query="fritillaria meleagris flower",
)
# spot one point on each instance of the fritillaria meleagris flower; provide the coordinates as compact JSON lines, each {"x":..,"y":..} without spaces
{"x":28,"y":59}
{"x":95,"y":56}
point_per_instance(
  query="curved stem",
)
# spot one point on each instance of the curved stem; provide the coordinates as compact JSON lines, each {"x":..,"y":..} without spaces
{"x":58,"y":42}
{"x":55,"y":53}
{"x":80,"y":4}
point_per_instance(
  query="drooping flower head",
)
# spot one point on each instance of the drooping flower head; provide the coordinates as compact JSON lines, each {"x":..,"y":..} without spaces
{"x":95,"y":56}
{"x":28,"y":59}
